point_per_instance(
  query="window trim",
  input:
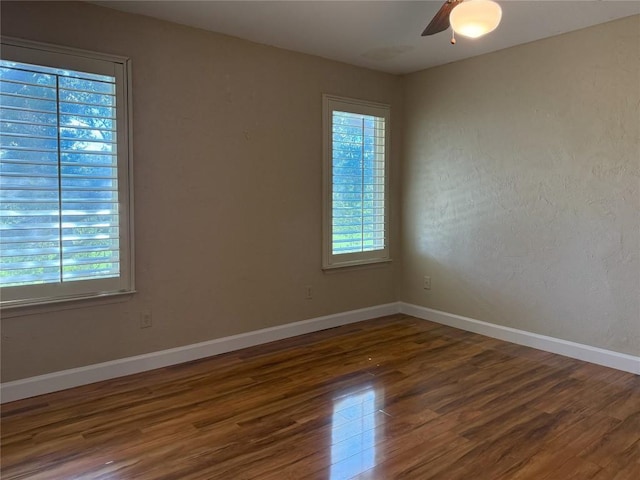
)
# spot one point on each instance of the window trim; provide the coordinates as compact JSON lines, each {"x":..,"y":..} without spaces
{"x":330,"y":103}
{"x":58,"y":56}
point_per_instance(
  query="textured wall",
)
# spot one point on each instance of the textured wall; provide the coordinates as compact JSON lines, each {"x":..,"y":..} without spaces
{"x":520,"y":189}
{"x":227,"y":152}
{"x":521,"y":174}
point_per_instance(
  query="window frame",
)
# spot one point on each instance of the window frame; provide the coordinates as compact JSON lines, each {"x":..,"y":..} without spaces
{"x":331,"y":103}
{"x":56,"y":56}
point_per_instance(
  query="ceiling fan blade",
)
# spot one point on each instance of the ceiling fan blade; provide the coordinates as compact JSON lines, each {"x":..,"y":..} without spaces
{"x":440,"y":22}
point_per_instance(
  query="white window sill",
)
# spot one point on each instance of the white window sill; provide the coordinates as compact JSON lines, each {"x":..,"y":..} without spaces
{"x":54,"y":305}
{"x":356,"y":265}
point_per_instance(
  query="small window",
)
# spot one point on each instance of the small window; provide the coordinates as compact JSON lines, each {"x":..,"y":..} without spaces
{"x":65,"y":175}
{"x":356,"y":152}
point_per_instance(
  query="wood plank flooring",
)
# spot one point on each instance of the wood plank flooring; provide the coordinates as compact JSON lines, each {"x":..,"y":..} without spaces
{"x":390,"y":398}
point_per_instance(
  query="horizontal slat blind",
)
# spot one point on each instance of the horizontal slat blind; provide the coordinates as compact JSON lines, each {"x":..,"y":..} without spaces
{"x":59,"y":214}
{"x":358,"y":183}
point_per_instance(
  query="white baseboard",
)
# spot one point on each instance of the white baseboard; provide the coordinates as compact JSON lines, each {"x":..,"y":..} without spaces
{"x":599,"y":356}
{"x":52,"y":382}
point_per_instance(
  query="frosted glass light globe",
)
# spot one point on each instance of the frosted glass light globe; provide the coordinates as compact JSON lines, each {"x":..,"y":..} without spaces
{"x":475,"y":18}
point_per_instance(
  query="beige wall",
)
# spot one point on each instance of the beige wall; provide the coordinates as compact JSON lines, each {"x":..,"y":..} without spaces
{"x":227,"y":152}
{"x":519,"y":198}
{"x":521,"y":173}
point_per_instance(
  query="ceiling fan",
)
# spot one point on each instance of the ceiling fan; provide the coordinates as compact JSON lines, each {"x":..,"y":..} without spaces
{"x":471,"y":18}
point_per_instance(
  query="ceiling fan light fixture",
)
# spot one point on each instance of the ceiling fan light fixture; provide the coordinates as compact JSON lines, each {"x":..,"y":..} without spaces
{"x":475,"y":18}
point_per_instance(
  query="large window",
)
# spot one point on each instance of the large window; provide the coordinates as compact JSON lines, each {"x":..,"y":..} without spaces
{"x":64,"y":174}
{"x":356,"y":152}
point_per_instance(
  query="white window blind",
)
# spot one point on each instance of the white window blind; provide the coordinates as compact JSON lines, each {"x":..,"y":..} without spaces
{"x":64,"y":180}
{"x":356,"y":193}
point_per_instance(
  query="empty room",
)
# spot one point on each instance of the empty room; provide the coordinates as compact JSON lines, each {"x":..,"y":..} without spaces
{"x":320,"y":240}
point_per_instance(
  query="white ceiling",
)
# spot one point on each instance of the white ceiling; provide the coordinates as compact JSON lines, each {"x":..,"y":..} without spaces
{"x":381,"y":35}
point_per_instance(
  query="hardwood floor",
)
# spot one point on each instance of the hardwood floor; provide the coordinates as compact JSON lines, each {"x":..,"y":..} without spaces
{"x":388,"y":398}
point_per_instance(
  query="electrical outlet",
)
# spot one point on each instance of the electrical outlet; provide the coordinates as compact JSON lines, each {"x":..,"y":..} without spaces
{"x":145,"y":320}
{"x":426,"y":284}
{"x":308,"y":292}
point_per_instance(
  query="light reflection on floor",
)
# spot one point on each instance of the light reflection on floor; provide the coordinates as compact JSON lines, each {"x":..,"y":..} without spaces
{"x":353,"y":434}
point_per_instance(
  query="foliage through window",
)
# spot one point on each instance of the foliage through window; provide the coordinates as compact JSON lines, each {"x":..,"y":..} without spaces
{"x":356,"y":142}
{"x":64,"y":175}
